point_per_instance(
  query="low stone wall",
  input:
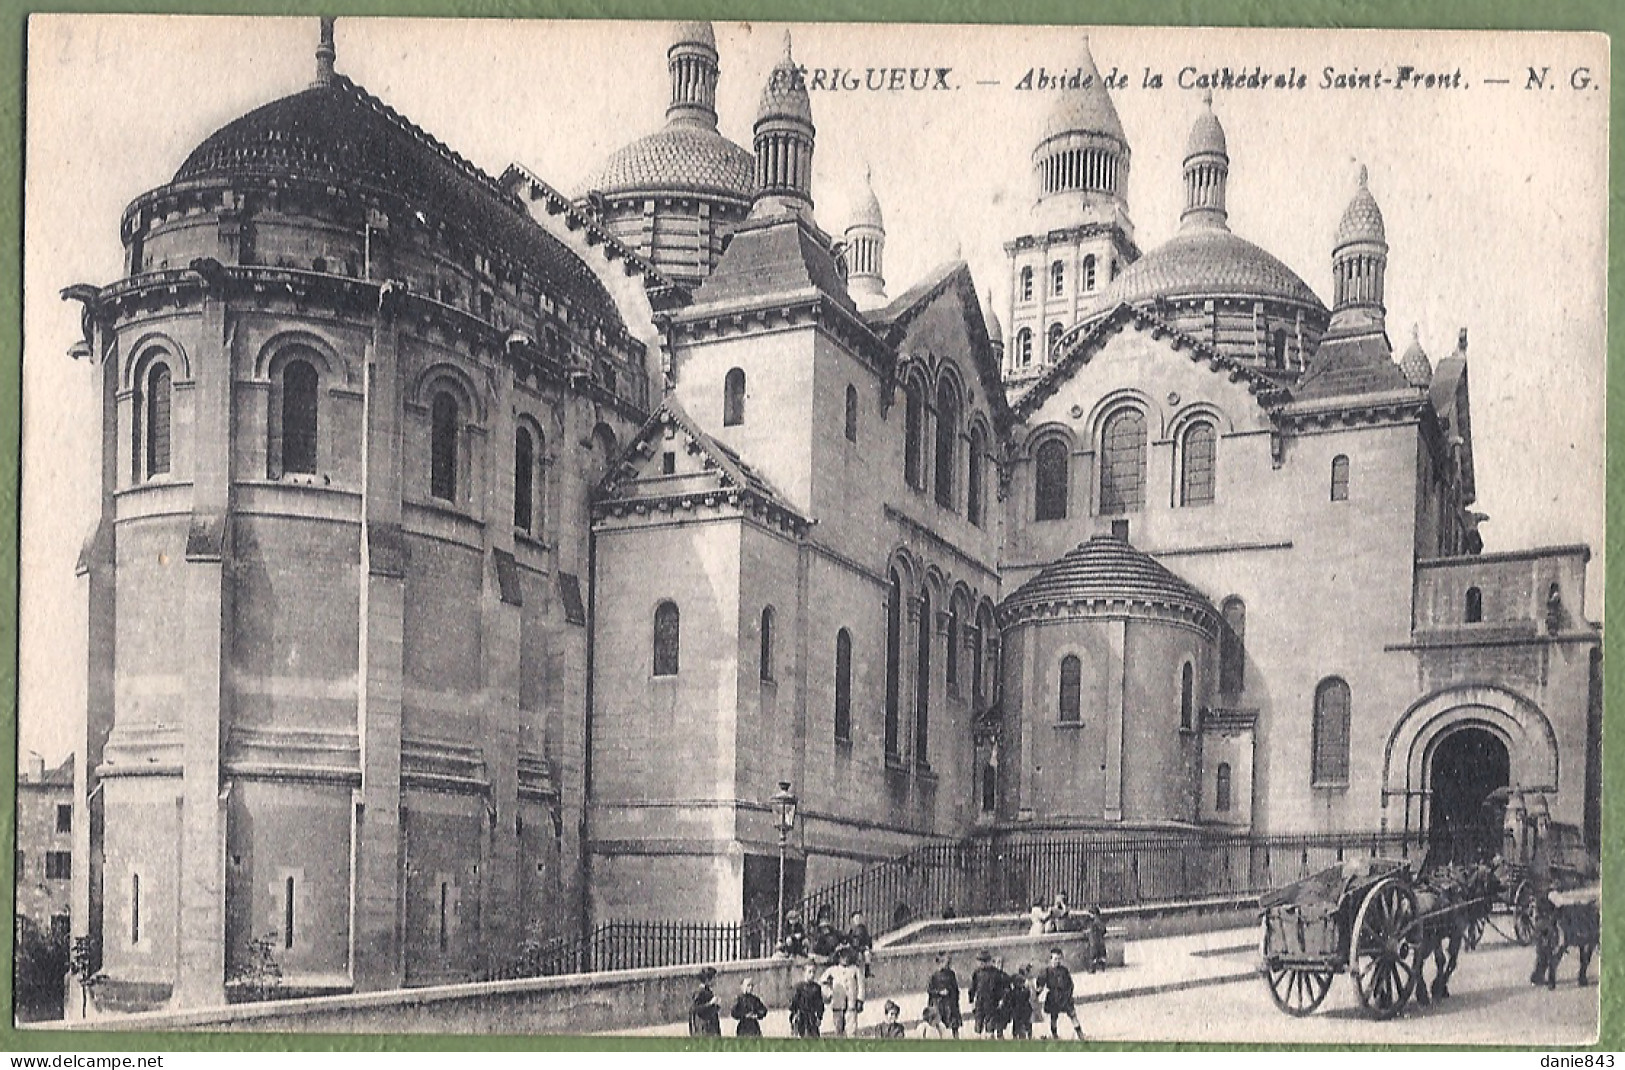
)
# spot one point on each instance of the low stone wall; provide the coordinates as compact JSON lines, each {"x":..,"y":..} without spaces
{"x":1133,"y":923}
{"x":630,"y":999}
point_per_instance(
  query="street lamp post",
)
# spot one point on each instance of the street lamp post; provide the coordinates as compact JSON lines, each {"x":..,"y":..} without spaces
{"x":784,"y":809}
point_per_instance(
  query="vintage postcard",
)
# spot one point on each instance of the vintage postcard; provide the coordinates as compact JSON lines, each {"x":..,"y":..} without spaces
{"x":1003,"y":533}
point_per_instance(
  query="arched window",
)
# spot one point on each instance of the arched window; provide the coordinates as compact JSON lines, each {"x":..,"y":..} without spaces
{"x":765,"y":654}
{"x":984,"y":669}
{"x":947,"y":438}
{"x":894,"y":662}
{"x":156,"y":425}
{"x":1221,"y":788}
{"x":951,"y":664}
{"x":1057,"y":278}
{"x":990,"y":787}
{"x":1122,"y":470}
{"x":524,"y":479}
{"x":1089,"y":273}
{"x":1024,"y":347}
{"x":733,"y":398}
{"x":843,"y":686}
{"x":914,"y":436}
{"x":1197,"y":455}
{"x":668,"y":633}
{"x":851,"y":413}
{"x":1340,"y":478}
{"x":1054,"y":339}
{"x":973,"y":475}
{"x":922,"y":686}
{"x":1187,"y":697}
{"x":1026,"y":284}
{"x":1233,"y":647}
{"x":1050,"y":479}
{"x":1331,"y":742}
{"x":299,"y":391}
{"x":604,"y":450}
{"x":1071,"y":698}
{"x":1475,"y":605}
{"x":443,"y":447}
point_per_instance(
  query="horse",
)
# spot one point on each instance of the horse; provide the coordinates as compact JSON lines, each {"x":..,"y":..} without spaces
{"x":1442,"y":895}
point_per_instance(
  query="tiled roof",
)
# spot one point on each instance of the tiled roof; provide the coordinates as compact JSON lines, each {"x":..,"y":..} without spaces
{"x":776,"y":256}
{"x":694,"y":33}
{"x":1107,"y":569}
{"x":1362,"y":219}
{"x":785,"y":95}
{"x":1207,"y":135}
{"x":1346,"y":367}
{"x":1208,"y":262}
{"x":682,"y":157}
{"x":1088,"y":109}
{"x":1415,"y":364}
{"x":341,"y":133}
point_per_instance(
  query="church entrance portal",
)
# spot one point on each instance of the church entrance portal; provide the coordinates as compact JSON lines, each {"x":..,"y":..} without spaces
{"x":1468,"y":765}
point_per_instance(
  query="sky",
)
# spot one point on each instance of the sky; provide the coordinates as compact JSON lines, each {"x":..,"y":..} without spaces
{"x":1494,"y":197}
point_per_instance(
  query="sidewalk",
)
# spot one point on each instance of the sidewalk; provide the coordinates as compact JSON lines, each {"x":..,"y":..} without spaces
{"x":1165,"y":964}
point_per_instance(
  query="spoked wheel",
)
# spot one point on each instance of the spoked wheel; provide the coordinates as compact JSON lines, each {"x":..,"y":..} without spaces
{"x":1382,"y":949}
{"x":1298,"y":990}
{"x":1475,"y":930}
{"x":1523,"y":912}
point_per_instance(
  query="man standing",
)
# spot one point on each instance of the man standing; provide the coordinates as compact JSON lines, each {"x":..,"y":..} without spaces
{"x":705,"y":1014}
{"x":807,"y":1004}
{"x":987,"y":986}
{"x":843,"y":989}
{"x":1056,"y":984}
{"x":942,"y":991}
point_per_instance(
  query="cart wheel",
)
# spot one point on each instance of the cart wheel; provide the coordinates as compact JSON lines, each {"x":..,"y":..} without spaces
{"x":1475,"y":931}
{"x":1298,"y":990}
{"x":1382,"y":949}
{"x":1523,"y":912}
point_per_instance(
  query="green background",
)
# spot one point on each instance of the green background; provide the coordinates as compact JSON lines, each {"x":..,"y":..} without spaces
{"x":1596,"y":15}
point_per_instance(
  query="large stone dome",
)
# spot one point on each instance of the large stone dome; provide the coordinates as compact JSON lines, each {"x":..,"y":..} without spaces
{"x":339,"y":133}
{"x":1208,"y":262}
{"x":681,"y":157}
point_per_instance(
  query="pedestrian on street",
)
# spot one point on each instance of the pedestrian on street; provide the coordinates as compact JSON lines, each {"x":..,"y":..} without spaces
{"x":1548,"y":941}
{"x":943,"y":993}
{"x":987,"y":984}
{"x":1040,"y":919}
{"x":1056,"y":984}
{"x":892,"y":1027}
{"x":930,"y":1024}
{"x":749,"y":1010}
{"x":1018,"y":1003}
{"x":794,"y":943}
{"x":859,"y":940}
{"x":705,"y":1014}
{"x":1095,"y":926}
{"x":843,"y":991}
{"x":1060,"y":915}
{"x":807,"y":1004}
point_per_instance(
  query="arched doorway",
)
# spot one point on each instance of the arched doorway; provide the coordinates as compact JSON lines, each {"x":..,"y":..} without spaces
{"x":1468,"y":764}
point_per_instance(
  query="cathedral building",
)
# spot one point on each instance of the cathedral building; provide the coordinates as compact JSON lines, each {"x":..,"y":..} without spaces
{"x":475,"y":560}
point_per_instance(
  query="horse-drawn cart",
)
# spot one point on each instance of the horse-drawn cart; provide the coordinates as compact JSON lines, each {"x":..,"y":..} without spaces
{"x":1367,"y":917}
{"x":1536,"y":856}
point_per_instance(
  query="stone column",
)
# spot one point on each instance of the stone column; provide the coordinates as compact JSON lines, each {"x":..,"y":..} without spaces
{"x":376,"y":957}
{"x":1117,"y":632}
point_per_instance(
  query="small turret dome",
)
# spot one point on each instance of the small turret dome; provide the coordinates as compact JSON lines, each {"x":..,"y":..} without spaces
{"x":1415,"y":364}
{"x":867,"y":213}
{"x":1207,"y":133}
{"x":1087,"y":108}
{"x":785,"y":96}
{"x":1362,"y":219}
{"x":995,"y":329}
{"x":694,"y":33}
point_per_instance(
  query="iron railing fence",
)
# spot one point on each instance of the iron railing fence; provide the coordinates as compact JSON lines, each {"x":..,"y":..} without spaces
{"x":989,"y":876}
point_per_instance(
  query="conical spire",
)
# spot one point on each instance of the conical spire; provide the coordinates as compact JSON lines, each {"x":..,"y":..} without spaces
{"x":326,"y":54}
{"x":784,"y":141}
{"x":1415,"y":364}
{"x":866,"y":249}
{"x":1083,"y":105}
{"x":1207,"y":170}
{"x":692,"y":59}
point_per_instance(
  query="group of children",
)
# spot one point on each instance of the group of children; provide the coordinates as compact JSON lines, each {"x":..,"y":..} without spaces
{"x":1000,"y":1001}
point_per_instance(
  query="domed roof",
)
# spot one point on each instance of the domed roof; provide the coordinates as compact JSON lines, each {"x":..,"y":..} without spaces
{"x":785,"y":95}
{"x":995,"y":329}
{"x":1207,"y":262}
{"x":681,"y":156}
{"x":1106,"y":569}
{"x":694,"y":33}
{"x":1362,"y":219}
{"x":1415,"y":364}
{"x":867,"y":213}
{"x":338,"y":132}
{"x":1086,"y":109}
{"x":1207,"y":135}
